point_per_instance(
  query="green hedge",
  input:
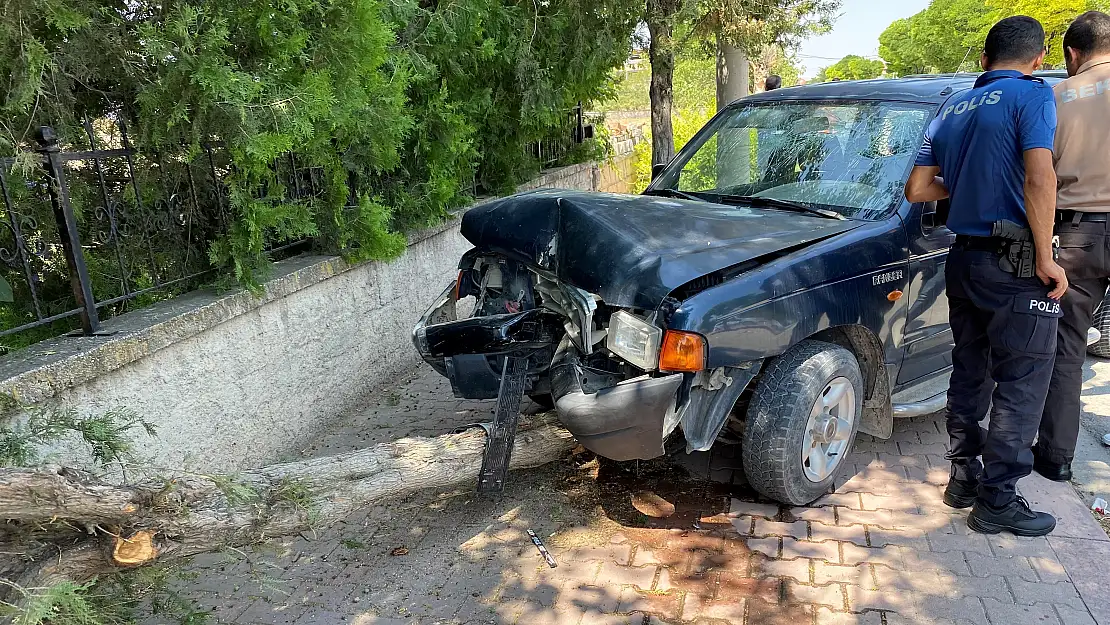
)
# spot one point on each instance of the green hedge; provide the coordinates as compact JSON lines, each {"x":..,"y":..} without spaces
{"x":410,"y":104}
{"x":401,"y":110}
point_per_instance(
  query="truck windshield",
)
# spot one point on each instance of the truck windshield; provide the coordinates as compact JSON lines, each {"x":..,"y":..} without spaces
{"x":849,"y":157}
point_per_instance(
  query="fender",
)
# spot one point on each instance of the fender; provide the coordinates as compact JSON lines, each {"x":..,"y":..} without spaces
{"x":855,"y":279}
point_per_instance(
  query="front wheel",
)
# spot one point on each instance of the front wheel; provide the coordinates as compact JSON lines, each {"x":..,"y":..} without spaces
{"x":802,"y":421}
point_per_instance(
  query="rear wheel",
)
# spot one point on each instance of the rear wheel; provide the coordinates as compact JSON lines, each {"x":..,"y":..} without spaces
{"x":802,"y":422}
{"x":1101,"y":347}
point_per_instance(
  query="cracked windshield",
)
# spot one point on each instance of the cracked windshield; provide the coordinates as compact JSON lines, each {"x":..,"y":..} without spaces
{"x":847,"y":157}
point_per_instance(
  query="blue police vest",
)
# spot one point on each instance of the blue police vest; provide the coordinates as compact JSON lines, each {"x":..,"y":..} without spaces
{"x":979,"y":139}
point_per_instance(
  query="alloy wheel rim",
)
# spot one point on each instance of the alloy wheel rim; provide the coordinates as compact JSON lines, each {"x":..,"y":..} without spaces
{"x":830,"y":424}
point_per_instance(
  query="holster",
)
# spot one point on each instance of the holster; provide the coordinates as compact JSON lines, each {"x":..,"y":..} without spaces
{"x":1019,"y":259}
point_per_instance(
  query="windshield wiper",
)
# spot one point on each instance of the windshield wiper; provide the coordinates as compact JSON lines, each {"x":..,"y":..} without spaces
{"x":674,"y":193}
{"x":770,"y":202}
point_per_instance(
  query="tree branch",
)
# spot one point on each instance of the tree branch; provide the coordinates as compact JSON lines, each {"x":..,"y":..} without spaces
{"x":140,"y":524}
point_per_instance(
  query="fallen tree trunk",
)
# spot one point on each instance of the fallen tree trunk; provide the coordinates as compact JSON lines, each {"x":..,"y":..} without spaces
{"x":67,"y":526}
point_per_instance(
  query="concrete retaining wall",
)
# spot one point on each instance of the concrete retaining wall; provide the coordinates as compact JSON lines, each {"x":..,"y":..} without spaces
{"x":234,"y":381}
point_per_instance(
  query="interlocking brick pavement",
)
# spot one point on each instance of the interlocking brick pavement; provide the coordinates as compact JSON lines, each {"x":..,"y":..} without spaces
{"x":882,"y":550}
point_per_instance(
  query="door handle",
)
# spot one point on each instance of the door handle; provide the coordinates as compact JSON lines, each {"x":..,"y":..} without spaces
{"x":929,"y":217}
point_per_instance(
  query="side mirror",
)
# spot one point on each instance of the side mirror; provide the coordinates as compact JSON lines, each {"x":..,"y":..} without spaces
{"x":657,"y":169}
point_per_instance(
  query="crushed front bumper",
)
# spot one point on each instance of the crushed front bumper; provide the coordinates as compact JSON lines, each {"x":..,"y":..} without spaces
{"x":611,"y":415}
{"x":622,"y":422}
{"x":468,"y":352}
{"x":614,"y":418}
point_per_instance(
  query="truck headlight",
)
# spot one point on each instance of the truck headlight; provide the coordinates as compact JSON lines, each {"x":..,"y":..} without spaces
{"x":634,"y":340}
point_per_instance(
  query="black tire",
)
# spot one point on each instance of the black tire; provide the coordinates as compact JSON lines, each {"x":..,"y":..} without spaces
{"x":1101,"y":347}
{"x":779,"y":413}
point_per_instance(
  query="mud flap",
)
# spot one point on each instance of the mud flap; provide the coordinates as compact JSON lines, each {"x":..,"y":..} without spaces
{"x":877,"y":417}
{"x":499,"y":443}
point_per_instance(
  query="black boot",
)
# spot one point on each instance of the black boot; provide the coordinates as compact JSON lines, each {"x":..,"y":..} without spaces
{"x":1016,"y":518}
{"x":960,"y":493}
{"x":1054,"y":471}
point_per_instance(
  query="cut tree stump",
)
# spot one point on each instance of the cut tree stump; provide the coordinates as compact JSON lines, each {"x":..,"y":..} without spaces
{"x":63,"y":525}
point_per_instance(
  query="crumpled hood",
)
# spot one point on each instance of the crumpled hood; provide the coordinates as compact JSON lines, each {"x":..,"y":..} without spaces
{"x":633,"y":250}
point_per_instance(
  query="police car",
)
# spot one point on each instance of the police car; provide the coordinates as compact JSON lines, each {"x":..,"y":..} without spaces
{"x":772,"y":287}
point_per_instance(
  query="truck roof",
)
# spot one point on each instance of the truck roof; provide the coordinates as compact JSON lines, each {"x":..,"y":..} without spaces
{"x":928,"y":88}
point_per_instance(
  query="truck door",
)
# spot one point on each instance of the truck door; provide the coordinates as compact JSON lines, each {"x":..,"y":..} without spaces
{"x":928,"y":337}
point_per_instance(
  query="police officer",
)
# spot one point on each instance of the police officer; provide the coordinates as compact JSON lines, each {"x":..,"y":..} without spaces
{"x":991,"y":147}
{"x":1083,"y":206}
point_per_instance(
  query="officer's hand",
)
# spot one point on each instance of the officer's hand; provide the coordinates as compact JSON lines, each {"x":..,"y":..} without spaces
{"x":1050,"y":272}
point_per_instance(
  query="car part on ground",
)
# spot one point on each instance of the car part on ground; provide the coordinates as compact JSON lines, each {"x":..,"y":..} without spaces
{"x":809,"y":401}
{"x":543,"y":550}
{"x":499,"y":443}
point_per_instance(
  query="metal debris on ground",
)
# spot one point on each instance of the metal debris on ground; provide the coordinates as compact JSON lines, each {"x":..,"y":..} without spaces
{"x":543,"y":550}
{"x":499,"y":442}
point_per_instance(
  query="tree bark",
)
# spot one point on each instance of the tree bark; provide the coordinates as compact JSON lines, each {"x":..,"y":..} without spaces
{"x":733,"y":145}
{"x":660,"y":23}
{"x":71,"y":527}
{"x":733,"y":73}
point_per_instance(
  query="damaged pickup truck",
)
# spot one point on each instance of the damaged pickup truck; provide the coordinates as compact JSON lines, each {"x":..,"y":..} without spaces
{"x":772,"y":286}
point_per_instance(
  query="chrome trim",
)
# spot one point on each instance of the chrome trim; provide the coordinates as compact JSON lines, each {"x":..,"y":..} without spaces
{"x":929,"y":406}
{"x":932,"y":254}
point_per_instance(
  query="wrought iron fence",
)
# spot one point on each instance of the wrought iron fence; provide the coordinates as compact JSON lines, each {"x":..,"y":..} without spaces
{"x":90,"y":231}
{"x":94,"y":226}
{"x":553,"y":149}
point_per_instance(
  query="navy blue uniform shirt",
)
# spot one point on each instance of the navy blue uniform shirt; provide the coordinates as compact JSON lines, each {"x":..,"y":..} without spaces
{"x":979,"y":139}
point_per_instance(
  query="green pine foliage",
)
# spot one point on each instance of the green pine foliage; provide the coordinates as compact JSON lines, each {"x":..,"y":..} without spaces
{"x":65,"y":603}
{"x":404,"y":108}
{"x":108,"y":436}
{"x":124,"y":598}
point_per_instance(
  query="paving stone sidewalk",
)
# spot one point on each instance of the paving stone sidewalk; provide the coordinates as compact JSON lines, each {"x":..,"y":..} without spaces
{"x":882,"y":550}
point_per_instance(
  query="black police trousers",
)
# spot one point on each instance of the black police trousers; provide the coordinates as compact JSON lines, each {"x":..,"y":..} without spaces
{"x":1005,"y":343}
{"x":1085,"y":256}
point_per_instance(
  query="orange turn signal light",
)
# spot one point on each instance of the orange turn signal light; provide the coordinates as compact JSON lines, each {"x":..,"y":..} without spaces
{"x":458,"y":284}
{"x":682,"y":351}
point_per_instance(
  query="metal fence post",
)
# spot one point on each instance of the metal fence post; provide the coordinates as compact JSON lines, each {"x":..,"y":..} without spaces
{"x":579,"y":126}
{"x":67,"y":228}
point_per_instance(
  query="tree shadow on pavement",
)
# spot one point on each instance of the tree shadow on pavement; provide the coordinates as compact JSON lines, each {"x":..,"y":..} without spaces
{"x":881,"y":547}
